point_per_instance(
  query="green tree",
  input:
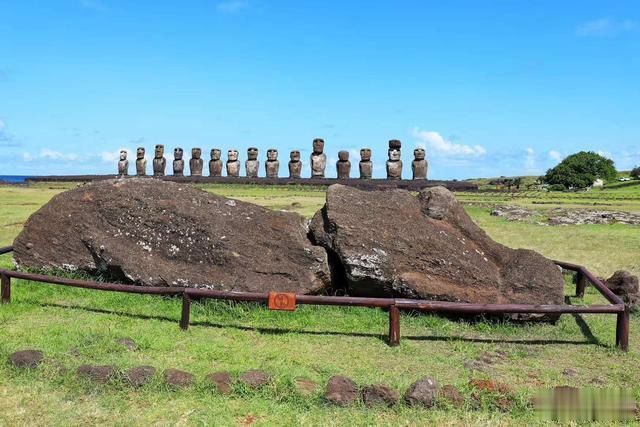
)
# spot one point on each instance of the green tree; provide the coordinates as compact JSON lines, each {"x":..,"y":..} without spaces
{"x":635,"y":172}
{"x":580,"y":170}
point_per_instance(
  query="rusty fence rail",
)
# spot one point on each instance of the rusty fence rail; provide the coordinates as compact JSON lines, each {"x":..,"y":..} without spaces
{"x":284,"y":301}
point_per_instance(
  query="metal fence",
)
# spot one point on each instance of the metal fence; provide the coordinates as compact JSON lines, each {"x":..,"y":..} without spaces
{"x":287,"y":301}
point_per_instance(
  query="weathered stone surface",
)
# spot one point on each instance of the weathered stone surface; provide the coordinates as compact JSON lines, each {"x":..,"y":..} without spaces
{"x":221,"y":381}
{"x":341,"y":391}
{"x":26,"y":358}
{"x":625,"y":285}
{"x":153,"y":232}
{"x":422,"y":393}
{"x":391,"y":243}
{"x":379,"y":394}
{"x":255,"y":378}
{"x":99,"y":374}
{"x":139,"y":375}
{"x":177,"y":378}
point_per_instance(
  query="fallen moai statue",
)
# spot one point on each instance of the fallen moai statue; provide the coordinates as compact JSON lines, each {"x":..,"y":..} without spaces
{"x":375,"y":243}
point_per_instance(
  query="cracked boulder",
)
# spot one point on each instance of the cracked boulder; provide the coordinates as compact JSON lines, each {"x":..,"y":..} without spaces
{"x":395,"y":244}
{"x":152,"y":232}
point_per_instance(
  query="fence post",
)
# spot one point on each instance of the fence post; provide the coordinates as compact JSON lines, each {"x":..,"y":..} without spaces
{"x":5,"y":289}
{"x":581,"y":283}
{"x":622,"y":330}
{"x":394,"y":326}
{"x":186,"y":310}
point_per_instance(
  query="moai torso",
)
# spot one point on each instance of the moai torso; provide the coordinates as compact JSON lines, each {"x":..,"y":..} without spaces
{"x":295,"y":165}
{"x":419,"y":164}
{"x":272,"y":165}
{"x":215,"y":164}
{"x":318,"y":159}
{"x":366,"y":165}
{"x":196,"y":162}
{"x":252,"y":164}
{"x":141,"y":162}
{"x":123,"y":164}
{"x":394,"y":164}
{"x":233,"y":164}
{"x":159,"y":162}
{"x":178,"y":162}
{"x":343,"y":165}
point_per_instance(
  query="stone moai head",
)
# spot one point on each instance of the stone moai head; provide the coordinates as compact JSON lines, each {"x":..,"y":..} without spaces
{"x":419,"y":154}
{"x":159,"y":151}
{"x":294,"y":156}
{"x":123,"y":155}
{"x":318,"y":146}
{"x":272,"y":155}
{"x":196,"y":153}
{"x":343,"y":165}
{"x":178,"y":163}
{"x":343,"y":156}
{"x":365,"y":155}
{"x":140,"y":153}
{"x":232,"y":155}
{"x":216,"y":154}
{"x":394,"y":154}
{"x":178,"y":153}
{"x":395,"y":143}
{"x":252,"y":153}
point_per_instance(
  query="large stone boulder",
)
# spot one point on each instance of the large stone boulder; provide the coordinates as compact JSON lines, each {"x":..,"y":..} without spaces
{"x":153,"y":232}
{"x":625,"y":285}
{"x":391,"y":243}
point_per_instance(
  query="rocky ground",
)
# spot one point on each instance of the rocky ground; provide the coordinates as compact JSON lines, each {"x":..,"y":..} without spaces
{"x":562,"y":216}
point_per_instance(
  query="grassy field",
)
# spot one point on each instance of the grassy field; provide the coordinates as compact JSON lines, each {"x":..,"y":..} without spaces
{"x":74,"y":327}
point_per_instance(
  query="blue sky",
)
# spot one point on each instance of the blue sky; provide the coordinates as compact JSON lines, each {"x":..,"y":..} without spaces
{"x":489,"y":88}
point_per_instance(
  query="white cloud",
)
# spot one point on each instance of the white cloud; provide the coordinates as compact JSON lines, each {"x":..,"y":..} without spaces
{"x":438,"y":144}
{"x":605,"y":27}
{"x":49,"y":154}
{"x":555,"y":155}
{"x":232,"y":6}
{"x":530,"y":159}
{"x":606,"y":154}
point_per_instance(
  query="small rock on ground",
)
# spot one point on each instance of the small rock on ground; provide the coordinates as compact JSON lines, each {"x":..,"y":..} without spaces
{"x":341,"y":391}
{"x":452,"y":395}
{"x":98,"y":374}
{"x":570,"y":372}
{"x":422,"y":392}
{"x":221,"y":381}
{"x":28,"y":359}
{"x":305,"y":386}
{"x":140,"y":375}
{"x":128,"y":343}
{"x":177,"y":378}
{"x":380,"y":394}
{"x":255,"y":378}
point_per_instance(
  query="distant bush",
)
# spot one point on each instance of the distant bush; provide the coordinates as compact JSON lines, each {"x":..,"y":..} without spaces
{"x":580,"y":170}
{"x":635,"y":172}
{"x":557,"y":187}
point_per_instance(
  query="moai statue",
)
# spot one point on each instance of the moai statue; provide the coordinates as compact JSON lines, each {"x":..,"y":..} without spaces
{"x":295,"y":165}
{"x":178,"y":162}
{"x":196,"y":162}
{"x":318,"y":159}
{"x":343,"y":165}
{"x":366,"y":165}
{"x":141,"y":162}
{"x":123,"y":164}
{"x":159,"y":162}
{"x":215,"y":164}
{"x":272,"y":165}
{"x":419,"y":164}
{"x":233,"y":164}
{"x":252,"y":164}
{"x":394,"y":164}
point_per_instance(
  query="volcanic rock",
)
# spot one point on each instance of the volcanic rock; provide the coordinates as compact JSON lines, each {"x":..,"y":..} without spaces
{"x":255,"y":378}
{"x":393,"y":244}
{"x":153,"y":232}
{"x":221,"y":381}
{"x":341,"y":391}
{"x":177,"y":378}
{"x":625,"y":285}
{"x":380,"y":394}
{"x":422,"y":393}
{"x":26,"y":358}
{"x":99,"y":374}
{"x":139,"y":375}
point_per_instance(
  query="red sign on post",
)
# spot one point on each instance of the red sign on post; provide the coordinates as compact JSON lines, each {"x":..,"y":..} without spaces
{"x":282,"y":301}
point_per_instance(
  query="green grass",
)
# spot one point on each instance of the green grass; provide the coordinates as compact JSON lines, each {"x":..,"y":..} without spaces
{"x":75,"y":326}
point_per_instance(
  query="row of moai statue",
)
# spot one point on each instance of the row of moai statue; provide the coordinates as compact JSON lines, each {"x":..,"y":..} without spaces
{"x":318,"y":159}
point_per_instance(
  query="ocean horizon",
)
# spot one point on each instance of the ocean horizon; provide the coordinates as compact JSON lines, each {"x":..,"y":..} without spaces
{"x":14,"y":179}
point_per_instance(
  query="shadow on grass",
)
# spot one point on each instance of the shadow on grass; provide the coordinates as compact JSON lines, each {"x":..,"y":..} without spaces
{"x":584,"y":328}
